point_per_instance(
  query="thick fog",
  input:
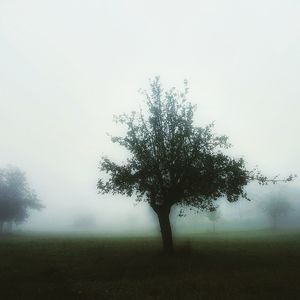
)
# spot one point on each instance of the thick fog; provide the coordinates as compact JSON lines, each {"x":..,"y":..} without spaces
{"x":66,"y":67}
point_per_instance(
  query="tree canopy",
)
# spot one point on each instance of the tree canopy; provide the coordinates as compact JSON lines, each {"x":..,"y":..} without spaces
{"x":15,"y":196}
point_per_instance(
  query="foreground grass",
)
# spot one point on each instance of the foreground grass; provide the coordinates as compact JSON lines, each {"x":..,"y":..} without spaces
{"x":221,"y":266}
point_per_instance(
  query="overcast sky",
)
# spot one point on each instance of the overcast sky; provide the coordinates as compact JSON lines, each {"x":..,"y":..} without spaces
{"x":67,"y":66}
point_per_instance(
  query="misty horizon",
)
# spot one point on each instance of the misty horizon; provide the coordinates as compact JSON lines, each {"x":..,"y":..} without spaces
{"x":67,"y":68}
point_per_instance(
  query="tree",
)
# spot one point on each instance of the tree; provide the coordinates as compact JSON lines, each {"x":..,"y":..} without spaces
{"x":275,"y":208}
{"x":214,"y":217}
{"x":15,"y":197}
{"x":173,"y":162}
{"x":85,"y":222}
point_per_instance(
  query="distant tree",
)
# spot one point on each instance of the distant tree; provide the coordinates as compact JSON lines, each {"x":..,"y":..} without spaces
{"x":84,"y":222}
{"x":214,"y":216}
{"x":275,"y":208}
{"x":15,"y":197}
{"x":172,"y":161}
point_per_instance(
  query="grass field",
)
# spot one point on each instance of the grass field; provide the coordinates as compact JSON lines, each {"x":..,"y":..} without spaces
{"x":245,"y":265}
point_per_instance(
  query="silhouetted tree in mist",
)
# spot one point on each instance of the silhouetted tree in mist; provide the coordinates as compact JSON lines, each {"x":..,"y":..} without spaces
{"x":275,"y":207}
{"x":84,"y":222}
{"x":15,"y":197}
{"x":174,"y":162}
{"x":214,"y":216}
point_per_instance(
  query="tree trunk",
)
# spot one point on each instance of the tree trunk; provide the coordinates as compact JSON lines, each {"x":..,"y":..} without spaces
{"x":166,"y":230}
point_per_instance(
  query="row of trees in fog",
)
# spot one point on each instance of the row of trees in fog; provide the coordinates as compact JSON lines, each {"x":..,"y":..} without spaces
{"x":16,"y":198}
{"x":171,"y":162}
{"x":275,"y":207}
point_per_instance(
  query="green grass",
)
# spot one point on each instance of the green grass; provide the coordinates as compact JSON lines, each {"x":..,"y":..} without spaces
{"x":249,"y":265}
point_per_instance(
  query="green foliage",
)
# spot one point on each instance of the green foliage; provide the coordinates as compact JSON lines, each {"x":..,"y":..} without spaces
{"x":172,"y":161}
{"x":15,"y":196}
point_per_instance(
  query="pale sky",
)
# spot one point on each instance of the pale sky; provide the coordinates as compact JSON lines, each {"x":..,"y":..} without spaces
{"x":67,"y":66}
